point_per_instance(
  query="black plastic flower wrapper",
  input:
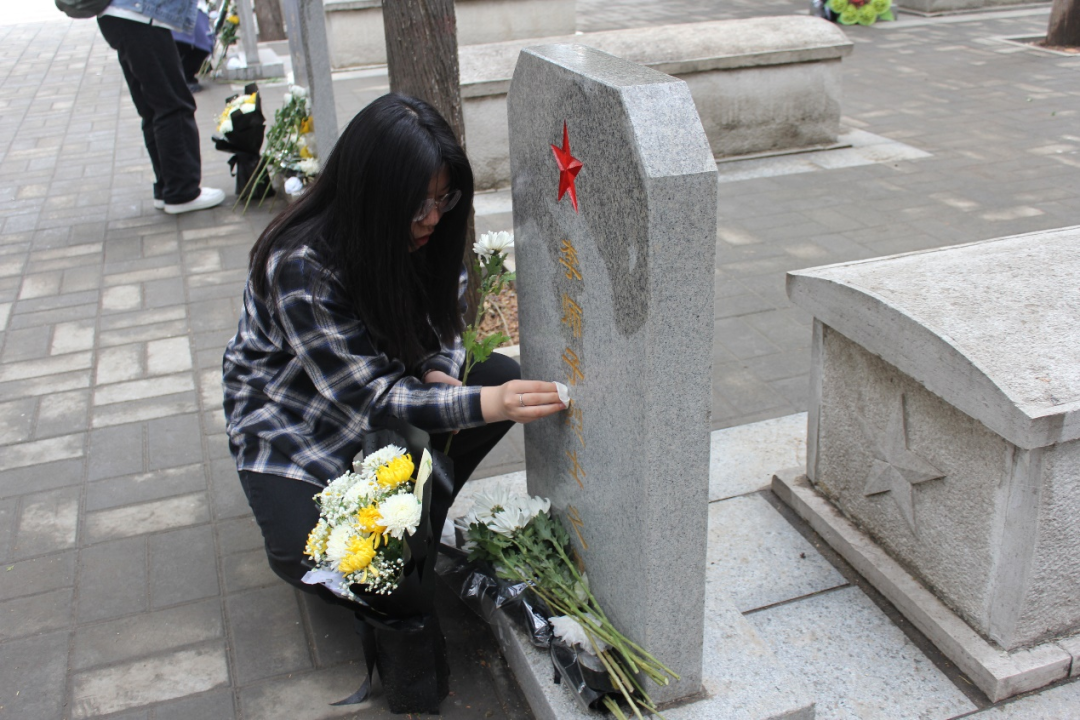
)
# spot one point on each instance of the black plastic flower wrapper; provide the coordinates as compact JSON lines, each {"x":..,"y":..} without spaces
{"x":248,"y":128}
{"x":478,"y":586}
{"x":400,"y":630}
{"x":583,"y":674}
{"x":486,"y":594}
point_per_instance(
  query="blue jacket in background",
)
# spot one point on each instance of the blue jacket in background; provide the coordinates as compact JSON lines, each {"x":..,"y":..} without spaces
{"x":177,"y":13}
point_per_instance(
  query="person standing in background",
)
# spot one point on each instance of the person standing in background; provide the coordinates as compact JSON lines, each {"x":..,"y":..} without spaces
{"x":139,"y":31}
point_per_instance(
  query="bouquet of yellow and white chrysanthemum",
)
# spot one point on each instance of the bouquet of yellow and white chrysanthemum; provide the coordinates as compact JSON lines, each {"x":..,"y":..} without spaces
{"x":364,"y":517}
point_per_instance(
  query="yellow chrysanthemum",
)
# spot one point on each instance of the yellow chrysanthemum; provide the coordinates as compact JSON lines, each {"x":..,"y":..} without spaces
{"x":360,"y":554}
{"x":368,"y":519}
{"x":305,"y":153}
{"x":234,"y":19}
{"x":395,"y":472}
{"x":307,"y":126}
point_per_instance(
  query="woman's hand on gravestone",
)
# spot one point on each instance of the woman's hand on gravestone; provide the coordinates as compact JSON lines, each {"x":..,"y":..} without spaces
{"x":520,"y":400}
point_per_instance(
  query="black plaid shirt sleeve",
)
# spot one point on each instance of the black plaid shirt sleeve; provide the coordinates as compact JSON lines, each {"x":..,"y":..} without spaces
{"x":303,"y":381}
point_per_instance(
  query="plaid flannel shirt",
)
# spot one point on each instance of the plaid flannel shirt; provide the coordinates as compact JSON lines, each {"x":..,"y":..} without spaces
{"x":303,"y":380}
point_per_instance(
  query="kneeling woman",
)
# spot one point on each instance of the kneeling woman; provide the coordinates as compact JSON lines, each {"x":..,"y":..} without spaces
{"x":352,"y":315}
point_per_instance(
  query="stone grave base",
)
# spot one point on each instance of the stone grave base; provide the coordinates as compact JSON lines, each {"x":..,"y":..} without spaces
{"x":269,"y":66}
{"x":997,"y":673}
{"x":930,"y":8}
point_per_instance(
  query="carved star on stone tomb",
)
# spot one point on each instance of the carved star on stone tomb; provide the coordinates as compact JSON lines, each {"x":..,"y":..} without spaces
{"x":569,"y":167}
{"x":895,"y":468}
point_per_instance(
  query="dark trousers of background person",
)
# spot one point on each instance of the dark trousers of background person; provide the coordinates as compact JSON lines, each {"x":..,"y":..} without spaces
{"x":286,"y":511}
{"x":155,"y":79}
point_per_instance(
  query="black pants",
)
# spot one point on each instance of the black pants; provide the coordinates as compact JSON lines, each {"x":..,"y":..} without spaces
{"x":286,"y":511}
{"x":155,"y":78}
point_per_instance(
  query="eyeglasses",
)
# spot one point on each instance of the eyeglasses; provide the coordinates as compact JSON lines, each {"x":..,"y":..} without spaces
{"x":445,"y":204}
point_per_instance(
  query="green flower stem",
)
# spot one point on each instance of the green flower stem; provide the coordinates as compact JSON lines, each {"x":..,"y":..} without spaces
{"x":640,"y":660}
{"x":600,"y":613}
{"x":614,"y":708}
{"x":492,"y":284}
{"x":616,"y":674}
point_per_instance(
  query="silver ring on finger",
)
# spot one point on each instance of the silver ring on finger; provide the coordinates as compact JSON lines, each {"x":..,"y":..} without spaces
{"x":521,"y":399}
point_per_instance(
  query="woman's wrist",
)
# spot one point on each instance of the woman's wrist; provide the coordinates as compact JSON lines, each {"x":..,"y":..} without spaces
{"x":491,"y":406}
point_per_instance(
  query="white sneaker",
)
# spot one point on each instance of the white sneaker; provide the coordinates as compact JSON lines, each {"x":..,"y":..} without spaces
{"x":159,"y":204}
{"x":208,"y":198}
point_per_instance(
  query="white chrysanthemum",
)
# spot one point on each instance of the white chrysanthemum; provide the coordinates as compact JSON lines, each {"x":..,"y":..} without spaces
{"x":533,"y":506}
{"x":399,"y":514}
{"x":247,"y":107}
{"x":571,"y":632}
{"x":308,"y":166}
{"x":294,"y":186}
{"x":297,"y":91}
{"x":381,"y":456}
{"x":509,"y":520}
{"x":337,"y":547}
{"x":226,"y":126}
{"x":486,"y":504}
{"x":491,"y":243}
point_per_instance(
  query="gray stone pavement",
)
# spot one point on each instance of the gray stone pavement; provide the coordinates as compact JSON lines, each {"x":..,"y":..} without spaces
{"x":133,"y":584}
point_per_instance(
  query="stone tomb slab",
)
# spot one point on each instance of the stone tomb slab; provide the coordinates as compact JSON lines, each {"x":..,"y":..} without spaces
{"x":614,"y":199}
{"x":944,"y":420}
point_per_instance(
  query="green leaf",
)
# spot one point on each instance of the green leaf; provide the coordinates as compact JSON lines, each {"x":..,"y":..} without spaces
{"x":887,"y":15}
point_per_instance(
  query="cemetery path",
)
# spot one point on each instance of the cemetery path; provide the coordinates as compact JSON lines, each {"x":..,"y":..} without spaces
{"x":128,"y":550}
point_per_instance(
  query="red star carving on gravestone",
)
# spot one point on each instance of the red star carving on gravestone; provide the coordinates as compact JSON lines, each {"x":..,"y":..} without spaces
{"x":569,"y":167}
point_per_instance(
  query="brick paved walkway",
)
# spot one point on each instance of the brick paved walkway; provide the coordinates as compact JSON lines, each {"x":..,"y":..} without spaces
{"x":133,"y":584}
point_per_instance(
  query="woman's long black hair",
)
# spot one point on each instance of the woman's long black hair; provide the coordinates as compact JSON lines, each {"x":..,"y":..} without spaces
{"x":358,"y":216}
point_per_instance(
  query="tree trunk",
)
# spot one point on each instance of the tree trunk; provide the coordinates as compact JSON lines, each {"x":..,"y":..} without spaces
{"x":1064,"y":27}
{"x":422,"y":60}
{"x":271,"y":25}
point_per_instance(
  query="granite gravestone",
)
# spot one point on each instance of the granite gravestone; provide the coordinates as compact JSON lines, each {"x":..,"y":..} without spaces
{"x":614,"y":191}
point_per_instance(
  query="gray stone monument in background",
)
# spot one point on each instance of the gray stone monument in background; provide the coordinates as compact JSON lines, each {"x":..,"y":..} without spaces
{"x":306,"y":26}
{"x":944,"y":420}
{"x":614,"y":196}
{"x":259,"y":62}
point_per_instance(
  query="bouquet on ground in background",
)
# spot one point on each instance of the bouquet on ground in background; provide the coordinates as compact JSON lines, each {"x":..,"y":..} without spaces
{"x":290,"y":156}
{"x":363,"y":518}
{"x":241,"y":127}
{"x":226,"y":32}
{"x":490,"y":267}
{"x":524,"y":543}
{"x":861,"y":12}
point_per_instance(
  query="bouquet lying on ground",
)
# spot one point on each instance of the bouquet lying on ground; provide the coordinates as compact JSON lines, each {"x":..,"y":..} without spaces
{"x":861,"y":12}
{"x":290,"y":152}
{"x":524,"y":543}
{"x":364,"y":516}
